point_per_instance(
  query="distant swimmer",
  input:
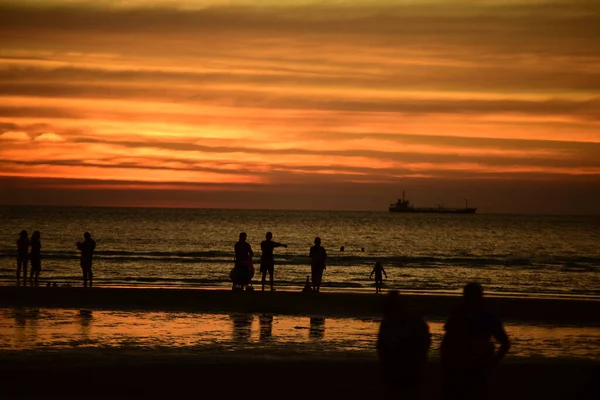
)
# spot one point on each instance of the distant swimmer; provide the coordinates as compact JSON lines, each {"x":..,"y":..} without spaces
{"x":87,"y":248}
{"x":318,"y":257}
{"x":244,"y":269}
{"x":379,"y":272}
{"x":267,"y":263}
{"x":36,"y":258}
{"x":467,"y":352}
{"x":22,"y":256}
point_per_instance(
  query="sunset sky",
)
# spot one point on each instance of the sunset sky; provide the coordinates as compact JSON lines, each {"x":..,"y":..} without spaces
{"x":301,"y":104}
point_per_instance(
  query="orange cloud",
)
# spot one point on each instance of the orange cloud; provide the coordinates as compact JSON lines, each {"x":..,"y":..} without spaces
{"x":367,"y":92}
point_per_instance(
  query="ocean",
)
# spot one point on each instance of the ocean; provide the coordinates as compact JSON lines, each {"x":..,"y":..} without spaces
{"x":526,"y":255}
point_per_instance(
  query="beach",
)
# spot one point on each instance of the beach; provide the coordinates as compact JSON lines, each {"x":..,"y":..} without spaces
{"x":190,"y":342}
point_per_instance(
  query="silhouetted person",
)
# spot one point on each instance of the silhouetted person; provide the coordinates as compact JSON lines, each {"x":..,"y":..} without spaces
{"x":402,"y":346}
{"x":307,"y":287}
{"x":318,"y":256}
{"x":342,"y":248}
{"x":467,"y":351}
{"x":267,"y":263}
{"x":36,"y":258}
{"x":87,"y":248}
{"x":22,"y":256}
{"x":379,"y":272}
{"x":244,"y":270}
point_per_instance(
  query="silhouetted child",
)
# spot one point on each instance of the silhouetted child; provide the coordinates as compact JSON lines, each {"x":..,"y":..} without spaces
{"x":36,"y":258}
{"x":22,"y":256}
{"x":87,"y":248}
{"x":467,"y":352}
{"x":402,"y":346}
{"x":379,"y":272}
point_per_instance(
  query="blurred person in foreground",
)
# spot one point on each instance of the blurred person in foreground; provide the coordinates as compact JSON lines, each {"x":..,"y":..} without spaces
{"x":402,"y":346}
{"x":468,"y":353}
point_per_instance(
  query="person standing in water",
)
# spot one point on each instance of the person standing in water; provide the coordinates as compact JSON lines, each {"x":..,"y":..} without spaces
{"x":318,"y":256}
{"x":22,"y":256}
{"x":267,"y":263}
{"x":36,"y":258}
{"x":379,"y":272}
{"x":87,"y":248}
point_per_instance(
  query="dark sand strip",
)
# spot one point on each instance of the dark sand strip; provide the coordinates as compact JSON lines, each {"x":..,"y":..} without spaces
{"x":357,"y":305}
{"x":283,"y":380}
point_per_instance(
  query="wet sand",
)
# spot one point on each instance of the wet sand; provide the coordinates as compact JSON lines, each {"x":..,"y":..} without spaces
{"x":339,"y":304}
{"x":156,"y":373}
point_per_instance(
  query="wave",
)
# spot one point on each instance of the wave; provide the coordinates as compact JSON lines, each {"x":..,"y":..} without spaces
{"x":563,"y":263}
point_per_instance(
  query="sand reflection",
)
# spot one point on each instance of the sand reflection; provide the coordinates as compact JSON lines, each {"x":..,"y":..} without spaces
{"x":317,"y":328}
{"x":266,"y":327}
{"x":242,"y":327}
{"x":38,"y":329}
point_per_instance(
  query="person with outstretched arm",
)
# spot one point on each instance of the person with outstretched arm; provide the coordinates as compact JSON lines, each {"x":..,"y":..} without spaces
{"x":267,"y":263}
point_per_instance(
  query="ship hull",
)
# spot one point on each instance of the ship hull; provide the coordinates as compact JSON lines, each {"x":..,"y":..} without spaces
{"x":434,"y":210}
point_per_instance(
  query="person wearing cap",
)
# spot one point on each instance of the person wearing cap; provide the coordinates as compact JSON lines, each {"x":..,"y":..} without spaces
{"x":468,"y":353}
{"x":87,"y":248}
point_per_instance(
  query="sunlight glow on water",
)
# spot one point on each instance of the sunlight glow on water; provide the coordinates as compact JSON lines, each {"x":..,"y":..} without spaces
{"x":268,"y":335}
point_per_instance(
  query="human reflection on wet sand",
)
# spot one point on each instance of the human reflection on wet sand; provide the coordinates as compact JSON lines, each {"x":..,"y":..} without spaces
{"x":266,"y":327}
{"x":317,"y":327}
{"x":85,"y":320}
{"x":26,"y":322}
{"x":242,"y":326}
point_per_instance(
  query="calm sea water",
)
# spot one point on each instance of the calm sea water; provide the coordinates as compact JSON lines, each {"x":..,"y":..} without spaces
{"x":552,"y":255}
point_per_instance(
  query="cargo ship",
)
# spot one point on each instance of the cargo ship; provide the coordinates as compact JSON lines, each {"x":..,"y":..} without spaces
{"x":404,"y":206}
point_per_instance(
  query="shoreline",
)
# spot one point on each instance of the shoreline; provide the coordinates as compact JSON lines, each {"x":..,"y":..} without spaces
{"x":332,"y":304}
